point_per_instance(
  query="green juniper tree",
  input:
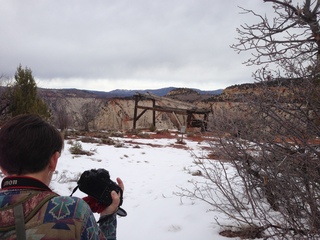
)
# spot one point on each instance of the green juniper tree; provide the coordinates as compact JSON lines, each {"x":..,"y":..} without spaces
{"x":24,"y":98}
{"x":4,"y":99}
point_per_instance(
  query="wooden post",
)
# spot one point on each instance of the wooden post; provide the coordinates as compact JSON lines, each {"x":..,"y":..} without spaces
{"x":136,"y":100}
{"x":154,"y":113}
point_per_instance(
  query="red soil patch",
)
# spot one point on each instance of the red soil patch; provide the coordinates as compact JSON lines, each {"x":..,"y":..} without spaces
{"x":179,"y":144}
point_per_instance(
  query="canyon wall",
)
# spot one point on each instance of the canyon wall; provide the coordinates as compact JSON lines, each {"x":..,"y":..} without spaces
{"x":118,"y":113}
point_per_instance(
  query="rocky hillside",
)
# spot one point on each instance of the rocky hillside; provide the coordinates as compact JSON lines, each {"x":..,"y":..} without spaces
{"x":237,"y":93}
{"x":190,"y":95}
{"x":115,"y":110}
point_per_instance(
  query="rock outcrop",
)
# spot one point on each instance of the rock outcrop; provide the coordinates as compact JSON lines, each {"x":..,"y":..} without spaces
{"x":117,"y":113}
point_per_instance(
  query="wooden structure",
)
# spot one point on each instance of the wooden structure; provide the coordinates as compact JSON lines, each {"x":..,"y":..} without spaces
{"x":190,"y":110}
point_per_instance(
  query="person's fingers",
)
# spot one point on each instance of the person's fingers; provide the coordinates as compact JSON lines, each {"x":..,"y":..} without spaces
{"x":112,"y":208}
{"x":120,"y":183}
{"x":115,"y":201}
{"x":115,"y":198}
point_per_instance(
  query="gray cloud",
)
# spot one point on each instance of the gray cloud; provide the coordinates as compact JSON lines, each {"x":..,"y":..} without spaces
{"x":139,"y":43}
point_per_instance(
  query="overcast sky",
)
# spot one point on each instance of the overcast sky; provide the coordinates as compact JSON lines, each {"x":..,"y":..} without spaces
{"x":125,"y":44}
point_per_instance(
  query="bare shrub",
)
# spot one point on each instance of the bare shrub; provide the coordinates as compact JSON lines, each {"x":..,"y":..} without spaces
{"x":118,"y":144}
{"x":143,"y":135}
{"x":269,"y":178}
{"x":76,"y":149}
{"x":117,"y":134}
{"x":108,"y":141}
{"x":88,"y":113}
{"x":62,"y":118}
{"x":89,"y":140}
{"x":269,"y":174}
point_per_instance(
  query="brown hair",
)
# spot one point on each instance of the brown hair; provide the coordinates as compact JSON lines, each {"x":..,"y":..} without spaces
{"x":27,"y":142}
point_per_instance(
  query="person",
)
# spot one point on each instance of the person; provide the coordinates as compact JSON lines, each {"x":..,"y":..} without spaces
{"x":29,"y":152}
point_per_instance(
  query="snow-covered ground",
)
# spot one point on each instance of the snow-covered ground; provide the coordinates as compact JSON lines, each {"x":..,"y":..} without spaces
{"x":152,"y":176}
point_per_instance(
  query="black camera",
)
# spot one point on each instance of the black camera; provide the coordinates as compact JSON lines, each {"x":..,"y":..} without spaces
{"x":97,"y":184}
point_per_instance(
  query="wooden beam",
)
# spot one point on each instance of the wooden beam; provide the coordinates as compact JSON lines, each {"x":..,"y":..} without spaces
{"x":189,"y":110}
{"x":165,"y":109}
{"x":136,"y":100}
{"x":139,"y":116}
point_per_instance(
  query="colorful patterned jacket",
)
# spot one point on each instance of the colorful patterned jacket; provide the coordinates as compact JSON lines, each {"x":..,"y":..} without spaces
{"x":49,"y":216}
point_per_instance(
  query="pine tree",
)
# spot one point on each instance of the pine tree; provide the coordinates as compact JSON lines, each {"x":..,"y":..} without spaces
{"x":24,"y":95}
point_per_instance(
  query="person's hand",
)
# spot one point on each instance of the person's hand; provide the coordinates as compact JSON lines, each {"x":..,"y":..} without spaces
{"x":111,"y":209}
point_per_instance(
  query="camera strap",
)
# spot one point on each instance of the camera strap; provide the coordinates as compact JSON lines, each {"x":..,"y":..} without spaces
{"x":23,"y":182}
{"x":74,"y":190}
{"x":121,"y":212}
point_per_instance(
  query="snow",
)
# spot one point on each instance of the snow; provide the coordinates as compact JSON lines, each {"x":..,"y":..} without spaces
{"x":152,"y":176}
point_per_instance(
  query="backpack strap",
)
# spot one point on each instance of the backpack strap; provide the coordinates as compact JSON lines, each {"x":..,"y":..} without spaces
{"x":30,"y":206}
{"x":19,"y":222}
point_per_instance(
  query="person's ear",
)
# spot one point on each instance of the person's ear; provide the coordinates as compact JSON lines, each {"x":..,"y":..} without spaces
{"x":53,"y":161}
{"x":3,"y":171}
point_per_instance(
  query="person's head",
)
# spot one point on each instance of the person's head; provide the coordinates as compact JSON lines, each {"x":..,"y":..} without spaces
{"x":27,"y":143}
